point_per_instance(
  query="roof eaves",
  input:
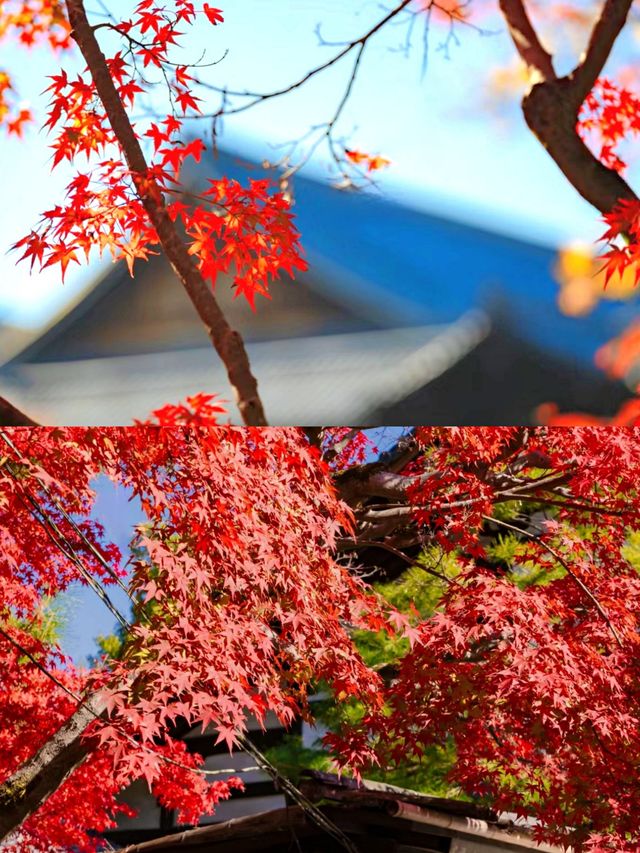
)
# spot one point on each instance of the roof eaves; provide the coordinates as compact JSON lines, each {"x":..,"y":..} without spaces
{"x":354,"y":802}
{"x":95,"y":287}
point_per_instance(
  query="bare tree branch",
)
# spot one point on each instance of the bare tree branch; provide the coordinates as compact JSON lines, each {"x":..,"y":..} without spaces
{"x":355,"y":544}
{"x":538,"y":61}
{"x":227,"y":342}
{"x":551,"y":111}
{"x":552,"y":104}
{"x":259,"y":97}
{"x":603,"y":36}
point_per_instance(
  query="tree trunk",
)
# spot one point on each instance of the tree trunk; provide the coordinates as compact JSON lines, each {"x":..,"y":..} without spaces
{"x":45,"y":772}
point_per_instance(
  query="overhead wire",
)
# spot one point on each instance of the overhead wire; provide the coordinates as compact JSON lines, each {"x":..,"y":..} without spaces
{"x":297,"y":796}
{"x":59,"y":539}
{"x":69,"y":518}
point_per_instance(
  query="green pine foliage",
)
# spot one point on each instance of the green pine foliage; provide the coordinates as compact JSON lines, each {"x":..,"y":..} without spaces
{"x":416,"y":592}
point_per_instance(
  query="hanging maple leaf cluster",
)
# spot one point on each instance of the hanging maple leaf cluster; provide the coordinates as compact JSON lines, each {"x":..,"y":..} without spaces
{"x":372,"y":162}
{"x":621,"y":237}
{"x":246,"y":232}
{"x":611,"y":113}
{"x":609,"y":116}
{"x":266,"y":580}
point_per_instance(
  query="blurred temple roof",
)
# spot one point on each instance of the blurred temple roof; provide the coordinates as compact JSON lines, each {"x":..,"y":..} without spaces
{"x":422,"y":268}
{"x":316,"y":379}
{"x":402,"y":317}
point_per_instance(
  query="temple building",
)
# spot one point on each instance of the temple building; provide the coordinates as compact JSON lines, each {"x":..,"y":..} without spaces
{"x":404,"y":316}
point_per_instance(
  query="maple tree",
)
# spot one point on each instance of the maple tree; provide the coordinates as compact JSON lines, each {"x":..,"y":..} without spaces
{"x":246,"y":608}
{"x":127,"y":197}
{"x":516,"y":665}
{"x":251,"y":588}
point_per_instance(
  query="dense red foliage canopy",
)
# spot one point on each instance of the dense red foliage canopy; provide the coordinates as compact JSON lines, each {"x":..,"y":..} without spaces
{"x":126,"y":195}
{"x":531,"y":669}
{"x":245,"y":607}
{"x":535,"y":678}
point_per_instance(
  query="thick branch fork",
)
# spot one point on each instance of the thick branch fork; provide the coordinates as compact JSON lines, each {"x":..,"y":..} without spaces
{"x":228,"y":343}
{"x":551,"y":112}
{"x":552,"y":104}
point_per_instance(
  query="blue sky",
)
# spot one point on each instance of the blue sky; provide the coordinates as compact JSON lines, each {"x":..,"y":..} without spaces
{"x":449,"y":154}
{"x":84,"y":616}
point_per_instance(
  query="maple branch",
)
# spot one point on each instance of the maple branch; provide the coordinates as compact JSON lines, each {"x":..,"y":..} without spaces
{"x":565,"y":565}
{"x":228,"y":343}
{"x":551,"y":112}
{"x":538,"y":61}
{"x":386,"y":484}
{"x":603,"y":36}
{"x":384,"y":521}
{"x":12,"y":417}
{"x":35,"y":780}
{"x":555,"y":479}
{"x":569,"y":504}
{"x":552,"y":104}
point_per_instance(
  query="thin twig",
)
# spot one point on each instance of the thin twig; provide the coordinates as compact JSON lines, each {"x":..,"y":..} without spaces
{"x":355,"y":544}
{"x":565,"y":565}
{"x":258,"y":98}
